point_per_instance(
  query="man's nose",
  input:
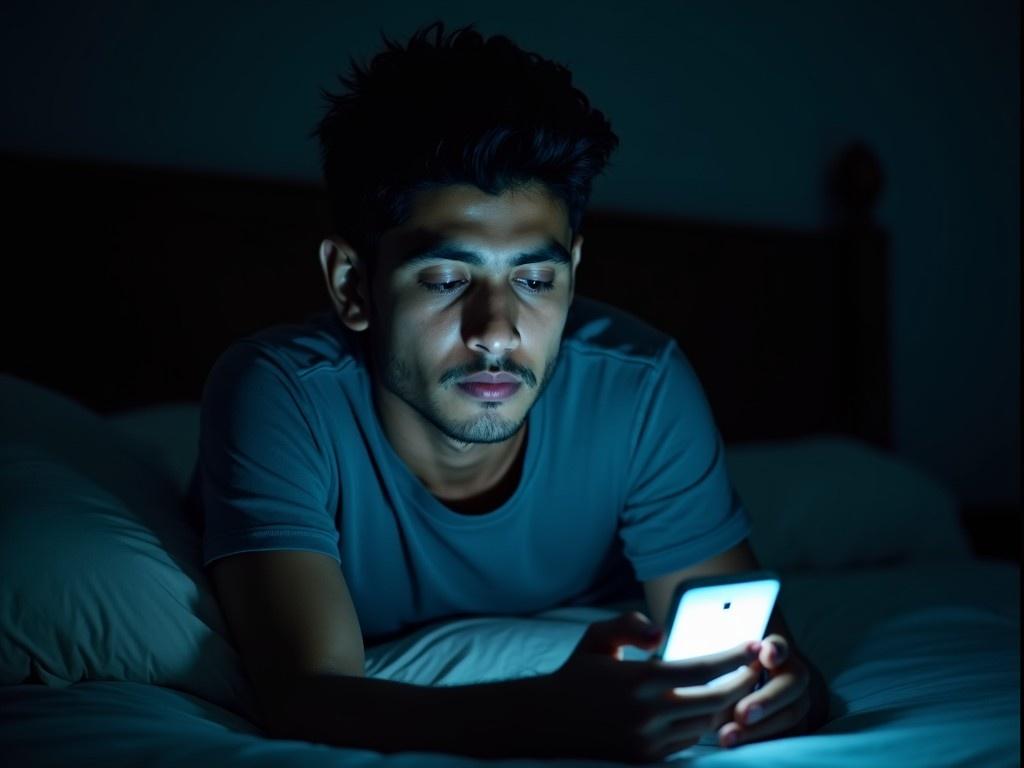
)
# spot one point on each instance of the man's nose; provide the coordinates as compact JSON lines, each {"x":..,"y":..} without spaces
{"x":489,"y":321}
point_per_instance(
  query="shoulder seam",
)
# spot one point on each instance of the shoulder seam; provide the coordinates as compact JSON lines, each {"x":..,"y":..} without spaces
{"x":643,"y":402}
{"x":299,"y":373}
{"x":588,"y":349}
{"x":324,"y":365}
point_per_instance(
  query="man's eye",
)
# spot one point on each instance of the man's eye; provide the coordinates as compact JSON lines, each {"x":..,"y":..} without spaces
{"x":447,"y":287}
{"x":450,"y":286}
{"x":537,"y":286}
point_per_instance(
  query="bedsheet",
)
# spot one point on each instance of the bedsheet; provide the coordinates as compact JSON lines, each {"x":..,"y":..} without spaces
{"x":923,"y":663}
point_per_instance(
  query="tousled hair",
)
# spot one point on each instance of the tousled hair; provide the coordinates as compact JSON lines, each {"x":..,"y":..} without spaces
{"x":455,"y":109}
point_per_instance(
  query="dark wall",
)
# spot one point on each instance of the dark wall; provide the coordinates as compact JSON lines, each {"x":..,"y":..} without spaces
{"x":725,"y":110}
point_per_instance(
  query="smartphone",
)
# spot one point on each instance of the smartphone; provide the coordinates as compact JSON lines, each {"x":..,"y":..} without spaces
{"x":716,"y":613}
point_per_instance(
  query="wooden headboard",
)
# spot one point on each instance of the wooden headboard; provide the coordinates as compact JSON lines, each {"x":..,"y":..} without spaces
{"x":124,"y":284}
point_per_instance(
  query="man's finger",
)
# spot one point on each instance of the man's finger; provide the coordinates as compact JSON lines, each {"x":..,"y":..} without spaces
{"x":703,"y":699}
{"x":693,"y":672}
{"x":781,"y":690}
{"x":774,"y":651}
{"x":607,"y":637}
{"x":732,"y":734}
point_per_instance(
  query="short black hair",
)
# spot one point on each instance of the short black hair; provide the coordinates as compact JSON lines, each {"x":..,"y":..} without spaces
{"x":459,"y":109}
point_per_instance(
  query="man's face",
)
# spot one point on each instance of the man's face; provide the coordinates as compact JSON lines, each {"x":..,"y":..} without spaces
{"x":473,"y":283}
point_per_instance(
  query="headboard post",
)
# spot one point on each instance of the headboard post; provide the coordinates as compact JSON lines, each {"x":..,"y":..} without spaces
{"x":854,"y":184}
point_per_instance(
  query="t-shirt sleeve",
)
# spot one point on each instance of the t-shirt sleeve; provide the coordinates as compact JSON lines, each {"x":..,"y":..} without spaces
{"x":263,"y":478}
{"x":681,"y":507}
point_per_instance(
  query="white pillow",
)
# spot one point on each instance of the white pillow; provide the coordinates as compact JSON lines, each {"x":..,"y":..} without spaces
{"x":100,"y":575}
{"x":834,"y":502}
{"x":169,"y":435}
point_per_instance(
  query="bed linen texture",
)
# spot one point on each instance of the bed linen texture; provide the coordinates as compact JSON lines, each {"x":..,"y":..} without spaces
{"x":919,"y":641}
{"x":923,"y":664}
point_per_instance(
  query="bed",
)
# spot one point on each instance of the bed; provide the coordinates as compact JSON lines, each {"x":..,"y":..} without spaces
{"x":113,"y":651}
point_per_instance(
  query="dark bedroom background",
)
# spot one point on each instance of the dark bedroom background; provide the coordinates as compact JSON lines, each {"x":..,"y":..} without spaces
{"x":726,"y":111}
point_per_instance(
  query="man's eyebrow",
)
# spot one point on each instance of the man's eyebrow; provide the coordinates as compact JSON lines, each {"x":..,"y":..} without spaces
{"x":552,"y":250}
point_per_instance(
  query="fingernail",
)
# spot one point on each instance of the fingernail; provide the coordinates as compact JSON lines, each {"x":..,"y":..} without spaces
{"x":754,"y":713}
{"x":729,"y":740}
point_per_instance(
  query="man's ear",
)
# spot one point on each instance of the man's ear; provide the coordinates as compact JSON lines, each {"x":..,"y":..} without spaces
{"x":347,"y":285}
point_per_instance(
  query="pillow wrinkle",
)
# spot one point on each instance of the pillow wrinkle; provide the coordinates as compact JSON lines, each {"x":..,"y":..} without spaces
{"x":100,"y":573}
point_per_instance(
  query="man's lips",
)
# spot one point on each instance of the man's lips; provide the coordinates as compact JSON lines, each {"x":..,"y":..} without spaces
{"x":486,"y":391}
{"x":490,"y":386}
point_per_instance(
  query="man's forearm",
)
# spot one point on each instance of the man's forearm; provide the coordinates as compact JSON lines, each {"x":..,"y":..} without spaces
{"x":483,"y":720}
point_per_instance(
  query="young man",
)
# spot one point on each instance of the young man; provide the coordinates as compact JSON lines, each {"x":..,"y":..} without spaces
{"x":458,"y":435}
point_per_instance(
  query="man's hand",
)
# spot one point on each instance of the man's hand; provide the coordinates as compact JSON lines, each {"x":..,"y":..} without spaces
{"x":597,"y":705}
{"x":794,"y":700}
{"x":778,"y":708}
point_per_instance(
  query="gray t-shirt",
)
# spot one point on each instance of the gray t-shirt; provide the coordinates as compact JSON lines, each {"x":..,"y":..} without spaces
{"x":623,"y":467}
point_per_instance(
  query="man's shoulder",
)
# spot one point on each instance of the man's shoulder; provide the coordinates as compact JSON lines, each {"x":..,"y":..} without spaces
{"x":599,"y":329}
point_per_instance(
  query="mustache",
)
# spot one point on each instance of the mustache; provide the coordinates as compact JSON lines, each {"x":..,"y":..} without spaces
{"x":505,"y":366}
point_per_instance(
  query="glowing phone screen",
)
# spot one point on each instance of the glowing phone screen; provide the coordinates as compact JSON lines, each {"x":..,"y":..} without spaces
{"x":714,"y":618}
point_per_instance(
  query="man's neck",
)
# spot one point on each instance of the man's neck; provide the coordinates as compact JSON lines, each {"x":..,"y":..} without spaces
{"x":450,"y":470}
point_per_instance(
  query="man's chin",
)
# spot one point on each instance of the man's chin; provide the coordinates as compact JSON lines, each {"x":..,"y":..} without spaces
{"x":488,"y":426}
{"x":486,"y":433}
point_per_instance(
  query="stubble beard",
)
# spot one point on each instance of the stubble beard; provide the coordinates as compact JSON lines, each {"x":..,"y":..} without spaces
{"x":488,"y":426}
